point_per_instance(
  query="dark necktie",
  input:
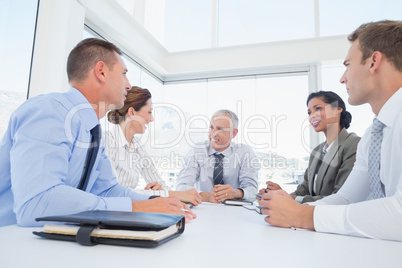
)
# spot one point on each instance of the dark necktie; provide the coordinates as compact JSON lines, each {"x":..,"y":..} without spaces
{"x":375,"y":158}
{"x":218,"y":169}
{"x":91,"y":156}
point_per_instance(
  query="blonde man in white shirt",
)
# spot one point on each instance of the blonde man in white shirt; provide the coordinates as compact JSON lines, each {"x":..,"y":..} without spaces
{"x":364,"y":206}
{"x":128,"y":158}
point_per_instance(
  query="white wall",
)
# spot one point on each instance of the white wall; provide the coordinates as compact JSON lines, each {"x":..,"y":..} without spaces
{"x":59,"y":29}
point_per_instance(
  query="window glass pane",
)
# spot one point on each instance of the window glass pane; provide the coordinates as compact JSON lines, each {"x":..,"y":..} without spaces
{"x":134,"y":72}
{"x":88,"y":34}
{"x":281,"y":129}
{"x":17,"y":26}
{"x":362,"y":115}
{"x":237,"y":95}
{"x":188,"y":24}
{"x":180,"y":122}
{"x":256,"y":21}
{"x":152,"y":84}
{"x":344,"y":16}
{"x":273,"y":124}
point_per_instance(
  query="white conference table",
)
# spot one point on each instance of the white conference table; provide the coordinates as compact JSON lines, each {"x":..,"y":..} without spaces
{"x":221,"y":236}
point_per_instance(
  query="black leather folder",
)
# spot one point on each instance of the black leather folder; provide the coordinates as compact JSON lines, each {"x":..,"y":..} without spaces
{"x":135,"y":229}
{"x":237,"y":202}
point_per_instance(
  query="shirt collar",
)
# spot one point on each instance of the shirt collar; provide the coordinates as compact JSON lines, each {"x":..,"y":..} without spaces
{"x":226,"y":152}
{"x":327,"y":147}
{"x":390,"y":109}
{"x":83,"y":108}
{"x":122,"y":139}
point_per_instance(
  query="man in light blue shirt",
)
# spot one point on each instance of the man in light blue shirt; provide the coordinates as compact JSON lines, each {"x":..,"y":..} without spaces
{"x":239,"y":164}
{"x":43,"y":151}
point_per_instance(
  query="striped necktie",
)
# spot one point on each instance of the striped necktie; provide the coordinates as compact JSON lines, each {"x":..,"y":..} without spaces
{"x":218,"y":169}
{"x":374,"y":159}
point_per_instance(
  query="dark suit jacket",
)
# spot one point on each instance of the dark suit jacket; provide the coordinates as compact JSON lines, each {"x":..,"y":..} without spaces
{"x":335,"y":168}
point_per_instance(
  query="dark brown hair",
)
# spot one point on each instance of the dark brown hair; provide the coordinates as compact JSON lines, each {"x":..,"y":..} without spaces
{"x":384,"y":36}
{"x":137,"y":98}
{"x":86,"y":54}
{"x":335,"y":101}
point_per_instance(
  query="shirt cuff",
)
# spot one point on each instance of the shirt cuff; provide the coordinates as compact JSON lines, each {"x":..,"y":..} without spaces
{"x":329,"y":218}
{"x":299,"y":198}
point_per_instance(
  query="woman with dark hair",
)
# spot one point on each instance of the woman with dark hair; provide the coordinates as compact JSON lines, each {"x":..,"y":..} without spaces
{"x":128,"y":158}
{"x":331,"y":161}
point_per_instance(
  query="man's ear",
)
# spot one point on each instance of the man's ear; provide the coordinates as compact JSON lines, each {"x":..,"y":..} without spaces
{"x":101,"y":71}
{"x":375,"y":61}
{"x":235,"y":131}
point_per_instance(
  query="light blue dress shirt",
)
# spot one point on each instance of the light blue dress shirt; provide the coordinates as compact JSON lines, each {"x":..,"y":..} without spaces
{"x":42,"y":155}
{"x":240,"y":169}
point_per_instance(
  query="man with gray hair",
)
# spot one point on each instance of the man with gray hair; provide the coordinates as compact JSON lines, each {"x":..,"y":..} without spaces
{"x":219,"y":168}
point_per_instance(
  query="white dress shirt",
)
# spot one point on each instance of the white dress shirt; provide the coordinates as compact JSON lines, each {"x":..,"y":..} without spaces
{"x":240,"y":169}
{"x":348,"y":212}
{"x":130,"y":161}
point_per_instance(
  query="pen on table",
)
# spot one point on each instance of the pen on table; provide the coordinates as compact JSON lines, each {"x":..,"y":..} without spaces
{"x":258,"y":209}
{"x":185,"y":210}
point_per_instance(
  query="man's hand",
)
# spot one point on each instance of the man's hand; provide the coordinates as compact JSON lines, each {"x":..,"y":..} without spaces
{"x":283,"y":211}
{"x":153,"y":186}
{"x":190,"y":195}
{"x":208,"y":196}
{"x":261,"y":192}
{"x":272,"y":186}
{"x":222,"y":192}
{"x":170,"y":205}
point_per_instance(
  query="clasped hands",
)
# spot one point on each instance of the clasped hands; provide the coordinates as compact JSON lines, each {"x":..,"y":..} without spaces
{"x":220,"y":193}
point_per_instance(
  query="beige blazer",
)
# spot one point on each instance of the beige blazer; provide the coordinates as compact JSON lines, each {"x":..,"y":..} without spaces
{"x":335,"y":168}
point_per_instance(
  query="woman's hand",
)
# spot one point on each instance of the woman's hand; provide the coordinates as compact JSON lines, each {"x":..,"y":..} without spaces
{"x":189,"y":196}
{"x":155,"y":186}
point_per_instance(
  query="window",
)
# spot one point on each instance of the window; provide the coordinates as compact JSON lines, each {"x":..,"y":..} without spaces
{"x":16,"y":45}
{"x":343,"y":16}
{"x":270,"y":121}
{"x":187,"y":24}
{"x":255,"y":21}
{"x":362,"y":116}
{"x":281,"y":135}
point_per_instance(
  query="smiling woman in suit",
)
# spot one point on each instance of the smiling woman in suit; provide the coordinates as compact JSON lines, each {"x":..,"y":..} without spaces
{"x":331,"y":161}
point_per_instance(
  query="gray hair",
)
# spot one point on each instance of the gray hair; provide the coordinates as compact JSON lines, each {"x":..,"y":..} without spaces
{"x":233,"y":117}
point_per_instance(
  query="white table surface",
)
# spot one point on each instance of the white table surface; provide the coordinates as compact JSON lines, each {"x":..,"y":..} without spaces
{"x":221,"y":236}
